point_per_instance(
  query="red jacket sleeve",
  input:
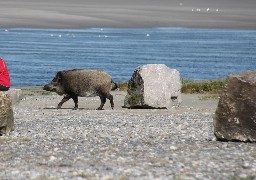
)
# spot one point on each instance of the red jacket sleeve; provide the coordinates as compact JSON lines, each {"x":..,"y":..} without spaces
{"x":2,"y":65}
{"x":4,"y":74}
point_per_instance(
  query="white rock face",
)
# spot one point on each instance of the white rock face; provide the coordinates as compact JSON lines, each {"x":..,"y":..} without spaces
{"x":154,"y":86}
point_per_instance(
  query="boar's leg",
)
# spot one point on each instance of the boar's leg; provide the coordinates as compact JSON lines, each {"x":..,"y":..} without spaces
{"x":75,"y":99}
{"x":66,"y":98}
{"x":110,"y":97}
{"x":103,"y":101}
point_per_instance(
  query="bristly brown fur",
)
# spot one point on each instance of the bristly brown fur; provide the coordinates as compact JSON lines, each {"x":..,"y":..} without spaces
{"x":79,"y":82}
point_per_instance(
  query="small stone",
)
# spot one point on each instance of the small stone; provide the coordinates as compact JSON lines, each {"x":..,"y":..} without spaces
{"x":246,"y":165}
{"x":243,"y":176}
{"x":173,"y":148}
{"x":52,"y":158}
{"x":115,"y":130}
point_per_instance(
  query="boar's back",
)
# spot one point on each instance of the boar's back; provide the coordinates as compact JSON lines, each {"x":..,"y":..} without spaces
{"x":85,"y":82}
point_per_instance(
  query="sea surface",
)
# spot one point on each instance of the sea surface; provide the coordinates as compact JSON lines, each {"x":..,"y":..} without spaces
{"x":34,"y":56}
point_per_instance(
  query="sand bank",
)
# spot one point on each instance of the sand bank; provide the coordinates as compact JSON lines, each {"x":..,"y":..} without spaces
{"x":128,"y":14}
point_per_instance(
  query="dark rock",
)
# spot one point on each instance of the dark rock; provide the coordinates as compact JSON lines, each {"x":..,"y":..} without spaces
{"x":235,"y":118}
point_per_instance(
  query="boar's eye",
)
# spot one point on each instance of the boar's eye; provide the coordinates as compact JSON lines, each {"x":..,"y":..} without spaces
{"x":56,"y":80}
{"x":55,"y":83}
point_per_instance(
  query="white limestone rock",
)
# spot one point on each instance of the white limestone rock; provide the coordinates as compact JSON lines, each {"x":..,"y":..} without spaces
{"x":154,"y":86}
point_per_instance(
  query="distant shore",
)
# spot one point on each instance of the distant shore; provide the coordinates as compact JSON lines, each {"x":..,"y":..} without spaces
{"x":128,"y":14}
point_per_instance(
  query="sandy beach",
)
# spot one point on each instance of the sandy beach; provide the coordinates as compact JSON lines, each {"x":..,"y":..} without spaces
{"x":128,"y":14}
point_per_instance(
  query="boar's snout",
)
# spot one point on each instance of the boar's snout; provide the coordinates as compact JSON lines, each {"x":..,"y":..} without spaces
{"x":48,"y":87}
{"x":54,"y":87}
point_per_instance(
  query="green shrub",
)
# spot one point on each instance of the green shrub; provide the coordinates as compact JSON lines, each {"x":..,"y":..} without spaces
{"x":207,"y":86}
{"x":123,"y":86}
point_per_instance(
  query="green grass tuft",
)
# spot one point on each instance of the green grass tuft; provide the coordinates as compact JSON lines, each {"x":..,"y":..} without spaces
{"x":202,"y":87}
{"x":123,"y":86}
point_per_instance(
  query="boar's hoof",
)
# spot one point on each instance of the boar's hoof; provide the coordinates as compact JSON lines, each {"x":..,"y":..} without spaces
{"x":99,"y":108}
{"x":75,"y":108}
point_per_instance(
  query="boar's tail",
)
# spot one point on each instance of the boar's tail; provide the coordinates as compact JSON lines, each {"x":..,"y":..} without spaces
{"x":115,"y":86}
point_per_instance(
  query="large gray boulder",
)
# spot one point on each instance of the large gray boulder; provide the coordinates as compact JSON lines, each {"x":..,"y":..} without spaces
{"x":6,"y":114}
{"x":235,"y":117}
{"x":153,"y":86}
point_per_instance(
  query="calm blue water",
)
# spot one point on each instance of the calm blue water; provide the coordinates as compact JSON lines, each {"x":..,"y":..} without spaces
{"x":35,"y":55}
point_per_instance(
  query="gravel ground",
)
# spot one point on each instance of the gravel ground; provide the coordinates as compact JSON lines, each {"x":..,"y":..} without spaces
{"x":120,"y":144}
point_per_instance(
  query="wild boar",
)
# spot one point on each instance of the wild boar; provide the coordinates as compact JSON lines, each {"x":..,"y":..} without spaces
{"x":81,"y":82}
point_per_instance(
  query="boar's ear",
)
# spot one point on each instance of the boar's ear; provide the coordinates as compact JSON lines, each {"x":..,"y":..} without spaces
{"x":58,"y":76}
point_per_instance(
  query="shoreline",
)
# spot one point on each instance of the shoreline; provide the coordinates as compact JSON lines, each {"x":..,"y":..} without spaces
{"x":153,"y":27}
